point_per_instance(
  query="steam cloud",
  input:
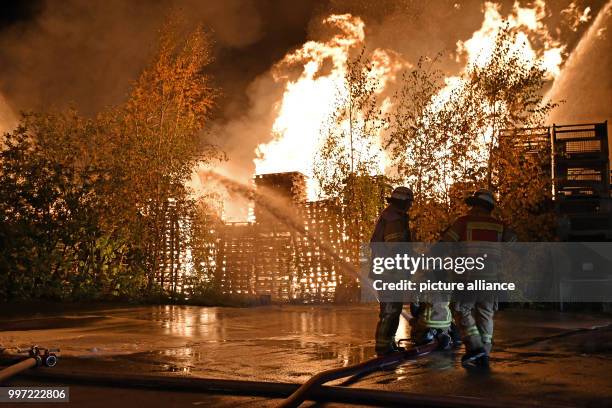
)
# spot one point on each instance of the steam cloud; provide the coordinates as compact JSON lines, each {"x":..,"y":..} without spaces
{"x":585,"y":82}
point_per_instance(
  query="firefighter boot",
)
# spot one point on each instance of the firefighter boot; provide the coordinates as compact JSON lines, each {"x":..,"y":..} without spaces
{"x":434,"y":322}
{"x":388,"y":322}
{"x":483,"y":362}
{"x":455,"y":335}
{"x":444,"y":340}
{"x":475,"y":358}
{"x":441,"y":336}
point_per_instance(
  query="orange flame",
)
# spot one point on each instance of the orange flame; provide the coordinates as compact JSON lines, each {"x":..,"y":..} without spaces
{"x":308,"y":101}
{"x":527,"y":22}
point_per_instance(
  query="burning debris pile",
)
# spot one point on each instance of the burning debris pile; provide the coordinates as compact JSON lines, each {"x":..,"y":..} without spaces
{"x":287,"y":254}
{"x":394,"y":117}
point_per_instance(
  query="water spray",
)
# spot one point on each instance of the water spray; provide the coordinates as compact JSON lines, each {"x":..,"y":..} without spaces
{"x":275,"y":210}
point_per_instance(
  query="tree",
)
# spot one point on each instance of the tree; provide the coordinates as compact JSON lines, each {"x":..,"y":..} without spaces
{"x":445,"y":138}
{"x":50,"y":213}
{"x":89,"y":208}
{"x":161,"y":127}
{"x":418,"y":145}
{"x":506,"y":94}
{"x":349,"y":163}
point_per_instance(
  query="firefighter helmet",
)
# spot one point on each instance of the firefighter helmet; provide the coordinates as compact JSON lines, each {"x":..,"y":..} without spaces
{"x":401,"y":193}
{"x":483,"y":198}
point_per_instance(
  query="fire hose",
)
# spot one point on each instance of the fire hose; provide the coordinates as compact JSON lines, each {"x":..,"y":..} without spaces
{"x":392,"y":359}
{"x":322,"y":393}
{"x":37,"y":356}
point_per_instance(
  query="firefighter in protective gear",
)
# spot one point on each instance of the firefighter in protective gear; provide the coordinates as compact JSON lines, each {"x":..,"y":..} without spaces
{"x":433,"y":321}
{"x":392,"y":226}
{"x":474,"y":316}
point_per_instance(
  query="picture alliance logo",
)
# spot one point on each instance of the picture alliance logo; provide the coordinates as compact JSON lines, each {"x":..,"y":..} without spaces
{"x":412,"y":264}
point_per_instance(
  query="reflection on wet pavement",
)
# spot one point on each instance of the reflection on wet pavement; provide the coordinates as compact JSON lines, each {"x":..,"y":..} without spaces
{"x":538,"y":354}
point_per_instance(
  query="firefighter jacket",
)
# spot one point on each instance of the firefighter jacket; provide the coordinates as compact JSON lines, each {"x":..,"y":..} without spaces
{"x":481,"y":229}
{"x":392,"y":226}
{"x":478,"y":226}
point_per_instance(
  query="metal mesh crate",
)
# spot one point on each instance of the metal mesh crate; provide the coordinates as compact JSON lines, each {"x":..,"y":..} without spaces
{"x":581,"y":164}
{"x":600,"y":222}
{"x":575,"y":132}
{"x":578,"y":206}
{"x":584,"y":174}
{"x":582,"y":146}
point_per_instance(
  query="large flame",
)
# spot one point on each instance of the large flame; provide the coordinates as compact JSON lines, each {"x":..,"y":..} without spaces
{"x":529,"y":27}
{"x":478,"y":51}
{"x":308,"y":101}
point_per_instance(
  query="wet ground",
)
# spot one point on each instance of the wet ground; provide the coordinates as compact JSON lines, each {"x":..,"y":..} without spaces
{"x":539,"y":356}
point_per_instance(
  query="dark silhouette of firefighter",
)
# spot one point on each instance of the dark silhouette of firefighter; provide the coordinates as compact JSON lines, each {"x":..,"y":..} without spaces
{"x":474,"y":315}
{"x":392,"y":226}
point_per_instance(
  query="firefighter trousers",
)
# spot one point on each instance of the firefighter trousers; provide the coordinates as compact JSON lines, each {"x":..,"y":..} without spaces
{"x":388,"y":322}
{"x":433,"y":315}
{"x":475,"y":321}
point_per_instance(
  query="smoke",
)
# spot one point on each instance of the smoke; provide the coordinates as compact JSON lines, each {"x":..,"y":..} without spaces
{"x":86,"y":54}
{"x":76,"y":53}
{"x":7,"y":117}
{"x":585,"y":84}
{"x":242,"y":134}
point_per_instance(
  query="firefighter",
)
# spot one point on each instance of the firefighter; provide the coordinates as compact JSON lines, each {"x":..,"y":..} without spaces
{"x":474,"y":315}
{"x":434,"y":321}
{"x":392,"y":226}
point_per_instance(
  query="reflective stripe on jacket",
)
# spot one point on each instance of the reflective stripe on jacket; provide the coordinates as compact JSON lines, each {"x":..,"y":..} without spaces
{"x":478,"y":226}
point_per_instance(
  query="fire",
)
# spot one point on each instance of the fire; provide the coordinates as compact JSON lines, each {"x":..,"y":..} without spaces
{"x":528,"y":25}
{"x":308,"y":101}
